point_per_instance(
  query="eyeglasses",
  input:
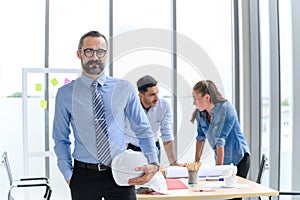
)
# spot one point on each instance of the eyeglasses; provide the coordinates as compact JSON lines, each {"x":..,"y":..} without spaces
{"x":90,"y":52}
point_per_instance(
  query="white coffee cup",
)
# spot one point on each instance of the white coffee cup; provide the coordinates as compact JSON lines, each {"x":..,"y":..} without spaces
{"x":227,"y":172}
{"x":230,"y":180}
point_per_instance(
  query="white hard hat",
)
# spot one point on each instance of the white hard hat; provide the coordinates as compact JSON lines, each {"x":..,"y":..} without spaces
{"x":123,"y":168}
{"x":158,"y":183}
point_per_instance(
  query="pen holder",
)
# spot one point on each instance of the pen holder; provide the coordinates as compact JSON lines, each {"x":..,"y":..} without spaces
{"x":192,"y":176}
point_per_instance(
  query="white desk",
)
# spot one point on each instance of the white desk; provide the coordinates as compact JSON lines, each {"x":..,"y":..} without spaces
{"x":250,"y":189}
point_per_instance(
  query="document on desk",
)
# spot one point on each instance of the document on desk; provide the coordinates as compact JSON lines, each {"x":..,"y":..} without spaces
{"x":220,"y":184}
{"x":204,"y":171}
{"x":175,"y":184}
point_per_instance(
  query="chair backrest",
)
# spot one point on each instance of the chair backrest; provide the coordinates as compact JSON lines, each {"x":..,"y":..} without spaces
{"x":262,"y":166}
{"x":7,"y":167}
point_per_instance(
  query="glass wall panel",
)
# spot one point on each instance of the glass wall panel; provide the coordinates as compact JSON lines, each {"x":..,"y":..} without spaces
{"x":205,"y":52}
{"x":22,"y":46}
{"x":136,"y":14}
{"x":142,"y":44}
{"x":136,"y":37}
{"x":264,"y":27}
{"x":286,"y":65}
{"x":296,"y":95}
{"x":22,"y":39}
{"x":69,"y":20}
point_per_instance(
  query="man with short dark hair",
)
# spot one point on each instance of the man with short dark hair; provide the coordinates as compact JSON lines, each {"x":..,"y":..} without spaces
{"x":160,"y":117}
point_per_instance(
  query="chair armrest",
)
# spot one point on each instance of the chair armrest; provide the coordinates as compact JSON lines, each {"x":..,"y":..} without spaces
{"x":33,"y":185}
{"x":44,"y":179}
{"x":47,"y":194}
{"x":34,"y":179}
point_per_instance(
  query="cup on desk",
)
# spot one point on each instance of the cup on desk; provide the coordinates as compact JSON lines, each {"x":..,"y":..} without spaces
{"x":230,"y":180}
{"x":227,"y":172}
{"x":229,"y":177}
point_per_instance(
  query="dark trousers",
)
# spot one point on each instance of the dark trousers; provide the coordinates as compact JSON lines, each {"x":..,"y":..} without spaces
{"x":136,"y":148}
{"x":91,"y":184}
{"x":243,"y":168}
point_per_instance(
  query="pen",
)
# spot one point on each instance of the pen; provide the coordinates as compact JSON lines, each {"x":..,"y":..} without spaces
{"x":213,"y":179}
{"x":204,"y":190}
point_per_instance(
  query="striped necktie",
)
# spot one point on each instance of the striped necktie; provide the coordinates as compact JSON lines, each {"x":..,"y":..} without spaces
{"x":103,"y":150}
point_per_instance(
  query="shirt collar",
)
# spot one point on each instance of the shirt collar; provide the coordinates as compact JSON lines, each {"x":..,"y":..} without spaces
{"x":154,"y":108}
{"x":88,"y":81}
{"x":217,"y":107}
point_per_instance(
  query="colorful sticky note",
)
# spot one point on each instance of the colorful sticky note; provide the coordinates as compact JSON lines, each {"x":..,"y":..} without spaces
{"x":38,"y":87}
{"x":44,"y":104}
{"x":67,"y":81}
{"x":54,"y":82}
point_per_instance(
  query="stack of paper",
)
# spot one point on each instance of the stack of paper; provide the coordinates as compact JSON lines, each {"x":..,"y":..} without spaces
{"x":176,"y":172}
{"x":204,"y":171}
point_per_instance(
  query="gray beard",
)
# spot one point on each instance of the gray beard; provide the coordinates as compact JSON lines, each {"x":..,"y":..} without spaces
{"x":94,"y":70}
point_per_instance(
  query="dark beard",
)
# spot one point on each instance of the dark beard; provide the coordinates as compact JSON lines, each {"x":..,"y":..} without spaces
{"x":94,"y":70}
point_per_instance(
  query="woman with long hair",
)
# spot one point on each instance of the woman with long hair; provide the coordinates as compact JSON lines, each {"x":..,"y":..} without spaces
{"x":217,"y":121}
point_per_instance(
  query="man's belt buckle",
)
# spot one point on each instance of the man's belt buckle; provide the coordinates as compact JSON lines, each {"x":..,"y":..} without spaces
{"x":101,"y":167}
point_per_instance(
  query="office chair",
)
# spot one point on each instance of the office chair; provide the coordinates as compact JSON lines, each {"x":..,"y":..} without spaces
{"x":25,"y":182}
{"x":262,"y":167}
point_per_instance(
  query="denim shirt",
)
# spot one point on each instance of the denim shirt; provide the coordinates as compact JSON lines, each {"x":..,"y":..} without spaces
{"x":223,"y":130}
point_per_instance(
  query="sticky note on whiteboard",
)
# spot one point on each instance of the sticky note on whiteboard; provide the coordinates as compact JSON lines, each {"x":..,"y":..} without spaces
{"x":38,"y":87}
{"x":54,"y":82}
{"x":67,"y":81}
{"x":43,"y":104}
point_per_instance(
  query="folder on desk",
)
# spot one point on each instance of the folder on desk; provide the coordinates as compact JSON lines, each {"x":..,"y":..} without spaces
{"x":204,"y":171}
{"x":175,"y":184}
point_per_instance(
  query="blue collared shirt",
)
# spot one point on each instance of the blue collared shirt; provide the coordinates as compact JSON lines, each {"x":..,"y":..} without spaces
{"x":161,"y":120}
{"x":224,"y":131}
{"x":74,"y":109}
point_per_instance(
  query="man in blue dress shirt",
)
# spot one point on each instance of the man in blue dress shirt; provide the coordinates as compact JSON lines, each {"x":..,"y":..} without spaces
{"x":88,"y":178}
{"x":159,"y":113}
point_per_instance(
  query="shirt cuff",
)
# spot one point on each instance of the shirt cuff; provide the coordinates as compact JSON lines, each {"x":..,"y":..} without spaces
{"x":152,"y":157}
{"x":167,"y":138}
{"x":68,"y":175}
{"x":220,"y":142}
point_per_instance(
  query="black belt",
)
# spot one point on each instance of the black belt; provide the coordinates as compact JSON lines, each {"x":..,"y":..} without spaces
{"x":136,"y":148}
{"x":99,"y":167}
